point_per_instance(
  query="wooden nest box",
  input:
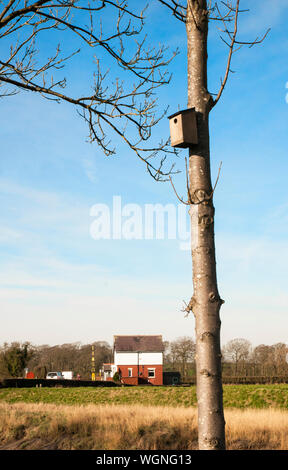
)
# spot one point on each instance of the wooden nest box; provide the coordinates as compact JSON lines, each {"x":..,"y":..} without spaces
{"x":183,"y":128}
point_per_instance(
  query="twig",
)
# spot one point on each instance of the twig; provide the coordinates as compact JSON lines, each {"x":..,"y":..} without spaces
{"x":180,"y":199}
{"x":233,"y":41}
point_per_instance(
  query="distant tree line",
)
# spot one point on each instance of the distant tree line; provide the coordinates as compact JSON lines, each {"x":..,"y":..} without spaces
{"x":179,"y":355}
{"x":239,"y":358}
{"x":42,"y":359}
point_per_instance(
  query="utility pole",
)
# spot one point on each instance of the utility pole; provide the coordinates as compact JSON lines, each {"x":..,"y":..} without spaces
{"x":93,"y":374}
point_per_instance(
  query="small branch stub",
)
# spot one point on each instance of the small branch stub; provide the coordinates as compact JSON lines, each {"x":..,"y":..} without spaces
{"x":207,"y":336}
{"x":205,"y":373}
{"x":189,"y":307}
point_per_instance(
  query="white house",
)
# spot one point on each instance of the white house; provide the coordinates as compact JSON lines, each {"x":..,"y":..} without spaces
{"x":137,"y":359}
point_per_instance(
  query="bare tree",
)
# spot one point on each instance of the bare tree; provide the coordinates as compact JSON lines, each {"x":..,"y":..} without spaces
{"x":280,"y":355}
{"x":74,"y":357}
{"x":206,"y":301}
{"x":270,"y":360}
{"x":183,"y":352}
{"x":125,"y":106}
{"x":237,"y":351}
{"x":128,"y":110}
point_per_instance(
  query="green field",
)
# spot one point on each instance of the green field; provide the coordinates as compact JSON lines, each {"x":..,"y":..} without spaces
{"x":235,"y":396}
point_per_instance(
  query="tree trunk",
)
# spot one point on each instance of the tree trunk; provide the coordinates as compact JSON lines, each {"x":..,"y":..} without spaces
{"x":206,"y":301}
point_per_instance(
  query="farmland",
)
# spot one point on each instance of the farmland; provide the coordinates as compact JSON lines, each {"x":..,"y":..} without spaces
{"x":142,"y":418}
{"x":235,"y":396}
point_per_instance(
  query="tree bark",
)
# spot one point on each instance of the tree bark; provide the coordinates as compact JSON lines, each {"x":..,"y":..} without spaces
{"x":206,"y":301}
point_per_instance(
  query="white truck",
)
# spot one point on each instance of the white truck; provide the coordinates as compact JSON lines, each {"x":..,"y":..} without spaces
{"x":67,"y":374}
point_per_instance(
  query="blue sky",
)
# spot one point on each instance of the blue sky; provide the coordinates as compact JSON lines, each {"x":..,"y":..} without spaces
{"x":59,"y":285}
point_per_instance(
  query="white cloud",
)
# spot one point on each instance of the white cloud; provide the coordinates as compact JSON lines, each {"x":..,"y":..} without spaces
{"x":263,"y":14}
{"x":34,"y":211}
{"x":40,"y":196}
{"x":254,"y":253}
{"x":42,"y":292}
{"x":276,"y":220}
{"x":90,"y":169}
{"x":8,"y":234}
{"x":90,"y":307}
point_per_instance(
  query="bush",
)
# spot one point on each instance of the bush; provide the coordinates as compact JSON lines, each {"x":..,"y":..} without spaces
{"x":116,"y":377}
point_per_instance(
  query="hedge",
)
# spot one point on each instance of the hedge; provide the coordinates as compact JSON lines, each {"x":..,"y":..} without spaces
{"x":23,"y":383}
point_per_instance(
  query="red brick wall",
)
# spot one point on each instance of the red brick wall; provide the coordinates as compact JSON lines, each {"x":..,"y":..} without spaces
{"x":130,"y":380}
{"x":143,"y":374}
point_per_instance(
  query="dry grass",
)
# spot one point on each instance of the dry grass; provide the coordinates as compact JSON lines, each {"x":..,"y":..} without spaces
{"x":38,"y":426}
{"x":257,"y":429}
{"x":47,"y":426}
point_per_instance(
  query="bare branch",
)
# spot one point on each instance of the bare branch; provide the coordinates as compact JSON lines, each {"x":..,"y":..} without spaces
{"x":178,"y":197}
{"x":231,"y":46}
{"x":232,"y":40}
{"x":119,"y":106}
{"x":179,"y":11}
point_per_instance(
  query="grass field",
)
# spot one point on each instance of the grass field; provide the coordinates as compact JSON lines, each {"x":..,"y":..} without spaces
{"x":235,"y":396}
{"x":128,"y":427}
{"x":150,"y":418}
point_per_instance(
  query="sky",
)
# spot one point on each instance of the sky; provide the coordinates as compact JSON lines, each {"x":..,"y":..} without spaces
{"x":60,"y":284}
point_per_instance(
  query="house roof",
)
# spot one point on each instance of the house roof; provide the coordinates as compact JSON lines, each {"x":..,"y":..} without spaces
{"x":134,"y":343}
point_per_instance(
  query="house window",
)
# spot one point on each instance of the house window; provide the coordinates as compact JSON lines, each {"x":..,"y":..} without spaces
{"x":130,"y":372}
{"x":151,"y":373}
